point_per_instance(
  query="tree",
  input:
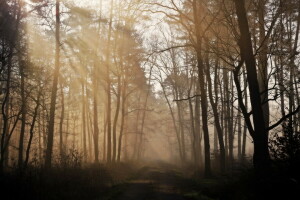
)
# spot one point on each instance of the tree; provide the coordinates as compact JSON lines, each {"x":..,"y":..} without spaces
{"x":49,"y":151}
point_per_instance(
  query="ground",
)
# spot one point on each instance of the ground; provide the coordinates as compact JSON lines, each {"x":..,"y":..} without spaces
{"x":151,"y":181}
{"x":155,"y":183}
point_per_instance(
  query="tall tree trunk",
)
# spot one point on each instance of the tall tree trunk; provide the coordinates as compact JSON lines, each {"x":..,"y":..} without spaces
{"x":261,"y":157}
{"x":40,"y":137}
{"x":293,"y":51}
{"x":84,"y":121}
{"x":5,"y":113}
{"x":44,"y":125}
{"x":228,"y":117}
{"x":124,"y":110}
{"x":108,"y":86}
{"x":5,"y":137}
{"x":245,"y":123}
{"x":217,"y":121}
{"x":135,"y":147}
{"x":181,"y":130}
{"x":116,"y":120}
{"x":203,"y":95}
{"x":32,"y":126}
{"x":279,"y":66}
{"x":74,"y":133}
{"x":23,"y":116}
{"x":144,"y":114}
{"x":104,"y":137}
{"x":239,"y":132}
{"x":225,"y":111}
{"x":123,"y":127}
{"x":197,"y":126}
{"x":195,"y":156}
{"x":230,"y":123}
{"x":95,"y":116}
{"x":263,"y":62}
{"x":90,"y":131}
{"x":62,"y":116}
{"x":174,"y":122}
{"x":48,"y":159}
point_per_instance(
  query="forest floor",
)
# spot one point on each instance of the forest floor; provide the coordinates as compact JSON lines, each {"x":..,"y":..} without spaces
{"x":167,"y":182}
{"x":152,"y":181}
{"x":159,"y":182}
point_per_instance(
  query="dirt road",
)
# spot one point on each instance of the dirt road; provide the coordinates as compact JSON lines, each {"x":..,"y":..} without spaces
{"x":153,"y":183}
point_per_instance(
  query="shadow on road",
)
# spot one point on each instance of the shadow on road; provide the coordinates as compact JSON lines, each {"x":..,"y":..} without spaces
{"x":151,"y":183}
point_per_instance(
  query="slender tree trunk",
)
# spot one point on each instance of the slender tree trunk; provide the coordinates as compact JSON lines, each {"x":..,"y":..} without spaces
{"x":263,"y":62}
{"x":197,"y":126}
{"x":135,"y":148}
{"x":181,"y":129}
{"x":40,"y":138}
{"x":90,"y":131}
{"x":144,"y":114}
{"x":23,"y":116}
{"x":225,"y":111}
{"x":217,"y":121}
{"x":239,"y":121}
{"x":32,"y":126}
{"x":245,"y":124}
{"x":95,"y":114}
{"x":96,"y":77}
{"x":203,"y":95}
{"x":193,"y":136}
{"x":74,"y":133}
{"x":44,"y":125}
{"x":5,"y":113}
{"x":174,"y":123}
{"x":123,"y":127}
{"x":48,"y":159}
{"x":280,"y":71}
{"x":84,"y":121}
{"x":62,"y":116}
{"x":216,"y":149}
{"x":230,"y":123}
{"x":121,"y":130}
{"x":108,"y":88}
{"x":116,"y":120}
{"x":216,"y":91}
{"x":293,"y":51}
{"x":5,"y":137}
{"x":104,"y":137}
{"x":88,"y":127}
{"x":261,"y":157}
{"x":66,"y":145}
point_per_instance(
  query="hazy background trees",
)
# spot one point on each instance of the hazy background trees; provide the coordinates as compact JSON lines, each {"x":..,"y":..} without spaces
{"x":190,"y":82}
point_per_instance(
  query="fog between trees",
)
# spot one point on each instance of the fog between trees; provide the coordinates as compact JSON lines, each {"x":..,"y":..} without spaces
{"x":200,"y":83}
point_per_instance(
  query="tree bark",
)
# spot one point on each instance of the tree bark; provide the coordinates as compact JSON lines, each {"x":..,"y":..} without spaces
{"x":116,"y":120}
{"x":261,"y":157}
{"x":123,"y":116}
{"x":32,"y":126}
{"x":95,"y":116}
{"x":62,"y":116}
{"x":48,"y":159}
{"x":263,"y":62}
{"x":23,"y":115}
{"x":203,"y":95}
{"x":217,"y":121}
{"x":108,"y":86}
{"x":84,"y":121}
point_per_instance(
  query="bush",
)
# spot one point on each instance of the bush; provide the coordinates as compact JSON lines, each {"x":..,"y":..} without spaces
{"x":285,"y":151}
{"x":69,"y":159}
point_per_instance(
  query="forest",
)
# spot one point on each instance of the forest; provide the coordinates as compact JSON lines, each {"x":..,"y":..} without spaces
{"x":149,"y":99}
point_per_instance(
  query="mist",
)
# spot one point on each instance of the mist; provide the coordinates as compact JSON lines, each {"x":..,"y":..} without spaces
{"x":149,"y":99}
